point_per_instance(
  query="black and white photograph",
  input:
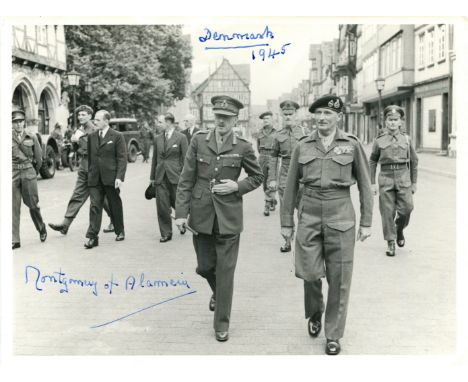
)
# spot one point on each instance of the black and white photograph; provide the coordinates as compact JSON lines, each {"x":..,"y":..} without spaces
{"x":232,"y":187}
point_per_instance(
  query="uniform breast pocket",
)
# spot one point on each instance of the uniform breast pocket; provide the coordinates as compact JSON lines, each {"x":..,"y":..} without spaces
{"x":203,"y":165}
{"x":403,"y":150}
{"x":341,"y":168}
{"x":311,"y":167}
{"x":231,"y":167}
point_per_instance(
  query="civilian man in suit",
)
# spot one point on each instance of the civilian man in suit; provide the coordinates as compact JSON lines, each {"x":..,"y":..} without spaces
{"x":107,"y":155}
{"x":168,"y":159}
{"x":190,"y":128}
{"x":209,"y":189}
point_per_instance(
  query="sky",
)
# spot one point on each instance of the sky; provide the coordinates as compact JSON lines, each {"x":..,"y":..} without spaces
{"x":269,"y":78}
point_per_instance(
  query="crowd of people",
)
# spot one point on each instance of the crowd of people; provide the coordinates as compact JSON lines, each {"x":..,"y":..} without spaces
{"x":197,"y":173}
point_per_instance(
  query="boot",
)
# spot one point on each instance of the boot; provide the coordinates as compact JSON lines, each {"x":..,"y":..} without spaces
{"x":266,"y":211}
{"x":273,"y":204}
{"x":391,"y":248}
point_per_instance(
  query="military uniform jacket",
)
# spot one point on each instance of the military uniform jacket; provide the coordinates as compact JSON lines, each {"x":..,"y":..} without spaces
{"x":284,"y":142}
{"x":394,"y":149}
{"x":25,"y":150}
{"x":107,"y":158}
{"x":87,"y":129}
{"x":265,"y":139}
{"x":204,"y":163}
{"x":169,"y":158}
{"x":343,"y":164}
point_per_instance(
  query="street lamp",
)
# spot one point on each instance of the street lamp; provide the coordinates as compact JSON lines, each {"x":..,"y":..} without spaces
{"x":88,"y":88}
{"x":380,"y":84}
{"x":73,"y":81}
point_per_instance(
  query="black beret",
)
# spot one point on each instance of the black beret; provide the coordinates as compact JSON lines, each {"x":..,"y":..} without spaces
{"x":226,"y":105}
{"x":263,"y":115}
{"x":327,"y":102}
{"x":84,"y":108}
{"x":288,"y":105}
{"x":392,"y":109}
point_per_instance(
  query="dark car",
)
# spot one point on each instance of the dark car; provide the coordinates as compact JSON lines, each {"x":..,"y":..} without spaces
{"x":129,"y":128}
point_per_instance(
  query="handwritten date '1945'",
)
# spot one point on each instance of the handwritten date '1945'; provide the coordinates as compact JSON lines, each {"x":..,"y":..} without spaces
{"x":268,"y":53}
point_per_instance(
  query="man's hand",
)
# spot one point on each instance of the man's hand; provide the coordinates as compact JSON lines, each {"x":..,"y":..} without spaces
{"x":272,"y":186}
{"x":118,"y":183}
{"x":363,"y":233}
{"x":181,"y":223}
{"x":286,"y":232}
{"x":413,"y":188}
{"x":227,"y":186}
{"x":375,"y":189}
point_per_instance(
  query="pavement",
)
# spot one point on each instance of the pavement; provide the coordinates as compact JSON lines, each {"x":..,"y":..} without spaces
{"x":104,"y":306}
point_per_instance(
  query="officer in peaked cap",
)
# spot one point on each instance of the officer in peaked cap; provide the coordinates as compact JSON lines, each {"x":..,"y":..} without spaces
{"x":326,"y":163}
{"x":210,"y":190}
{"x":264,"y":146}
{"x":284,"y":142}
{"x":397,"y":178}
{"x":26,"y":153}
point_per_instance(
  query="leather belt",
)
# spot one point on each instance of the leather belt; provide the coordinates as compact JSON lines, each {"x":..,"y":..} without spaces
{"x":21,"y":166}
{"x":326,"y":193}
{"x":393,"y":166}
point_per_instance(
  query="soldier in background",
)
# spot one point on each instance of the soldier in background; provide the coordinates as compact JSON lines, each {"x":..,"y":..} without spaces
{"x":327,"y":164}
{"x":264,"y":147}
{"x":397,"y":178}
{"x":26,"y":158}
{"x":283,"y":144}
{"x":146,"y":137}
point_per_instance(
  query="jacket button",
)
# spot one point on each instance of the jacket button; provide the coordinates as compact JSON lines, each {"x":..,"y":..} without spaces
{"x":216,"y":169}
{"x":217,"y":158}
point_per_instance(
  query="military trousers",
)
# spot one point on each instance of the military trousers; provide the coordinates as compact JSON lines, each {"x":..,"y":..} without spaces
{"x":24,"y":186}
{"x":216,"y":262}
{"x":98,"y":194}
{"x":395,"y":209}
{"x":146,"y":148}
{"x":325,"y":248}
{"x":80,"y":196}
{"x":264,"y":160}
{"x":165,"y":200}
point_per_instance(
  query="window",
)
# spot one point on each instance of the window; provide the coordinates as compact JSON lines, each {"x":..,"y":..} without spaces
{"x":430,"y":47}
{"x":441,"y":46}
{"x":421,"y":50}
{"x":432,"y":121}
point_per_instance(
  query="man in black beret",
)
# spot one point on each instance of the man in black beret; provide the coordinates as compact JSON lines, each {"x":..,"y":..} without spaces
{"x":326,"y":163}
{"x":264,"y":146}
{"x":397,"y":178}
{"x":284,"y":142}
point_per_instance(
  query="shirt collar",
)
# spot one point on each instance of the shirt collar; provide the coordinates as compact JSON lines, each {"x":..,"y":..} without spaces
{"x":169,"y":133}
{"x":104,"y":131}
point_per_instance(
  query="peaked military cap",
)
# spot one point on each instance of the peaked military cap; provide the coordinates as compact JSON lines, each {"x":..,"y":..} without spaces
{"x":17,"y":115}
{"x":263,"y":115}
{"x":394,"y":109}
{"x":327,"y":102}
{"x":289,"y":105}
{"x":226,"y":105}
{"x":84,"y":108}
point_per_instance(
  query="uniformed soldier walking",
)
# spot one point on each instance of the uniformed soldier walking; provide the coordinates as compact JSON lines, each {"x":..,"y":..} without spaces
{"x":146,"y":136}
{"x":397,"y":178}
{"x":284,"y":142}
{"x":209,"y":189}
{"x":26,"y":157}
{"x":81,"y":190}
{"x":264,"y":146}
{"x":327,"y":164}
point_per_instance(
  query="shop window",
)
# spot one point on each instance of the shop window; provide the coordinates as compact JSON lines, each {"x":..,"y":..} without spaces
{"x":432,"y":121}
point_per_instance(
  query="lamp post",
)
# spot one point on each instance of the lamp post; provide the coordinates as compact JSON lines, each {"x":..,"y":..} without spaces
{"x":380,"y":84}
{"x":73,"y":81}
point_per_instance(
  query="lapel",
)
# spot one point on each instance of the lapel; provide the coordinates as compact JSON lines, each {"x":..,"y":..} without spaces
{"x":338,"y":136}
{"x":211,"y":141}
{"x":107,"y":137}
{"x":170,"y":141}
{"x":227,"y":144}
{"x":318,"y":142}
{"x":18,"y":139}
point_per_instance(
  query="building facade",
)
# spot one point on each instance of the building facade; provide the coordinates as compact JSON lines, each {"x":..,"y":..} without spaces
{"x":227,"y":79}
{"x":38,"y":60}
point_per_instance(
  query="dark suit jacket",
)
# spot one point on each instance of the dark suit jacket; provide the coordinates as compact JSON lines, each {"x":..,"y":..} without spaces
{"x":168,"y":160}
{"x":189,"y":136}
{"x":107,"y":160}
{"x":205,"y":162}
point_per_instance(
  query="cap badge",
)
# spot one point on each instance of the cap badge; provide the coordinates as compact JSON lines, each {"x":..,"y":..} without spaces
{"x":330,"y":103}
{"x":223,"y":103}
{"x":337,"y":104}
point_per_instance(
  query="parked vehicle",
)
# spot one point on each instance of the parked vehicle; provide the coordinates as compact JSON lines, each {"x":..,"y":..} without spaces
{"x":50,"y":153}
{"x":130,"y":130}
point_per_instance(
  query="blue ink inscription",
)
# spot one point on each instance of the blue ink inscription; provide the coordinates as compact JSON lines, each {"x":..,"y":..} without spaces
{"x":272,"y":53}
{"x":130,"y":283}
{"x":215,"y":36}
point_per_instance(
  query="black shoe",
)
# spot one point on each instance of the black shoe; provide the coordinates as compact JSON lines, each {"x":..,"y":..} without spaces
{"x":110,"y":228}
{"x":212,"y":304}
{"x":165,"y":238}
{"x":286,"y":247}
{"x":315,"y":325}
{"x":15,"y":246}
{"x":273,"y":205}
{"x":266,"y":211}
{"x":400,"y":238}
{"x":391,"y":248}
{"x":183,"y":230}
{"x":62,"y":228}
{"x":120,"y":237}
{"x":222,"y":336}
{"x":43,"y":234}
{"x":332,"y":347}
{"x":91,"y":243}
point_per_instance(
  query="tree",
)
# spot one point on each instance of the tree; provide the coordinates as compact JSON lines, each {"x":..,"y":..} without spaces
{"x":132,"y":69}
